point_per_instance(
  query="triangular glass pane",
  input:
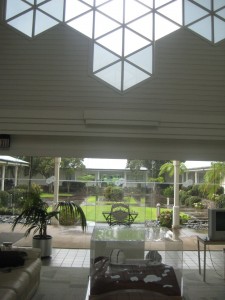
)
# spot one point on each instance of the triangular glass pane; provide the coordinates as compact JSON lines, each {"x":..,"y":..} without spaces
{"x":161,"y":2}
{"x":83,"y":24}
{"x":204,"y":3}
{"x":15,"y":7}
{"x":163,"y":27}
{"x":43,"y":22}
{"x":30,"y":1}
{"x":218,"y":4}
{"x":23,"y":23}
{"x":192,"y":13}
{"x":112,"y":75}
{"x":203,"y":28}
{"x":219,"y":30}
{"x":99,"y":2}
{"x":113,"y":9}
{"x":133,"y":42}
{"x":144,"y":26}
{"x":147,"y":2}
{"x":103,"y":25}
{"x":143,"y":59}
{"x":102,"y":58}
{"x":221,"y":13}
{"x":90,"y":2}
{"x":132,"y":76}
{"x":74,"y":9}
{"x":40,"y":1}
{"x":134,"y":10}
{"x":113,"y":41}
{"x":173,"y":11}
{"x":54,"y":8}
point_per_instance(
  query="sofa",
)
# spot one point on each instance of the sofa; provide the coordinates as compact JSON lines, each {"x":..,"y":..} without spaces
{"x":20,"y":279}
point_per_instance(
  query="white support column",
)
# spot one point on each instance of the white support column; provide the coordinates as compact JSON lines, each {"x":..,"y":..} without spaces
{"x":3,"y":178}
{"x":56,"y":186}
{"x":196,"y":177}
{"x":16,"y":176}
{"x":176,"y":207}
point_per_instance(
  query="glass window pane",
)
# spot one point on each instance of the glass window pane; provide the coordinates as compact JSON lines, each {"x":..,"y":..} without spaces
{"x":14,"y":7}
{"x":40,"y":1}
{"x":74,"y":9}
{"x":134,"y":10}
{"x":163,"y":27}
{"x":132,"y":76}
{"x":113,"y":41}
{"x":219,"y":30}
{"x":173,"y":11}
{"x":23,"y":23}
{"x":221,"y":13}
{"x":218,"y":4}
{"x":83,"y":24}
{"x":192,"y":13}
{"x":90,"y":2}
{"x":30,"y":1}
{"x":112,"y":75}
{"x":203,"y":28}
{"x":54,"y":8}
{"x":102,"y":57}
{"x":43,"y":22}
{"x":114,"y":10}
{"x":99,"y":2}
{"x":133,"y":42}
{"x":144,"y":26}
{"x":103,"y":25}
{"x":205,"y":3}
{"x":161,"y":2}
{"x":147,"y":2}
{"x":143,"y":59}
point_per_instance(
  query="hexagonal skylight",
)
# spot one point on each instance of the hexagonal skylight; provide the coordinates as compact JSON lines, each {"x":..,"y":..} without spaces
{"x":123,"y":31}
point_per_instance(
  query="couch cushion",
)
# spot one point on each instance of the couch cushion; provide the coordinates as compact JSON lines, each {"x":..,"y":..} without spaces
{"x":7,"y":294}
{"x":12,"y":258}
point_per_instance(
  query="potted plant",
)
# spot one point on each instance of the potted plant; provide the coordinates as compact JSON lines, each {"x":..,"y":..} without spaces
{"x":36,"y":216}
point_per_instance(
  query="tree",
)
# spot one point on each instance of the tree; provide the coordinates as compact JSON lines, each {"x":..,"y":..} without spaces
{"x":213,"y":178}
{"x":70,"y":165}
{"x":153,"y":166}
{"x":168,"y":168}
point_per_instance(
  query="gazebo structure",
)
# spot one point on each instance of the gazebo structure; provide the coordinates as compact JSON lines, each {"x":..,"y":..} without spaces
{"x":6,"y":161}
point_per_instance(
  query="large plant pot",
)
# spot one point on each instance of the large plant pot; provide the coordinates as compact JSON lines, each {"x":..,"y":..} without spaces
{"x":45,"y":244}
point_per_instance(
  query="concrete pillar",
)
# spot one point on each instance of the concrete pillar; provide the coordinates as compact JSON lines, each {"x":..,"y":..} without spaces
{"x":3,"y":178}
{"x":56,"y":186}
{"x":176,"y":207}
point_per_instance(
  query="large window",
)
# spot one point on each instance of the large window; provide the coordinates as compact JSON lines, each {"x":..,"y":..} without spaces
{"x":123,"y":31}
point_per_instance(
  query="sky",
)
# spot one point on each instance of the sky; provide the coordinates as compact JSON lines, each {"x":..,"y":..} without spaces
{"x":103,"y":163}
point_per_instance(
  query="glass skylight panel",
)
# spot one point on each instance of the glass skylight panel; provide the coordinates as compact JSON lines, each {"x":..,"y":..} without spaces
{"x":133,"y":10}
{"x":109,"y":25}
{"x":193,"y":12}
{"x":133,"y":42}
{"x":30,"y":1}
{"x":113,"y":9}
{"x":99,"y":2}
{"x":143,"y":26}
{"x":83,"y":24}
{"x":204,"y":3}
{"x":74,"y":9}
{"x":143,"y":59}
{"x":90,"y":2}
{"x":219,"y":30}
{"x":15,"y":7}
{"x":203,"y":27}
{"x":43,"y":22}
{"x":40,"y":1}
{"x":163,"y":27}
{"x":112,"y":75}
{"x":218,"y":4}
{"x":23,"y":23}
{"x":132,"y":76}
{"x":54,"y":8}
{"x":113,"y":41}
{"x":147,"y":2}
{"x":159,"y":3}
{"x":102,"y":58}
{"x":221,"y":13}
{"x":173,"y":11}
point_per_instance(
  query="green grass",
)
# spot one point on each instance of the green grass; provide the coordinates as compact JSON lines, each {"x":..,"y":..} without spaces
{"x":50,"y":195}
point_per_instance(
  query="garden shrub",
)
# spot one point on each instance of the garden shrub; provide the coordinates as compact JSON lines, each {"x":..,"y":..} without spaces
{"x":191,"y":200}
{"x":166,"y":218}
{"x":220,"y":201}
{"x":113,"y":193}
{"x":183,"y":195}
{"x":194,"y":191}
{"x":168,"y":191}
{"x":4,"y":198}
